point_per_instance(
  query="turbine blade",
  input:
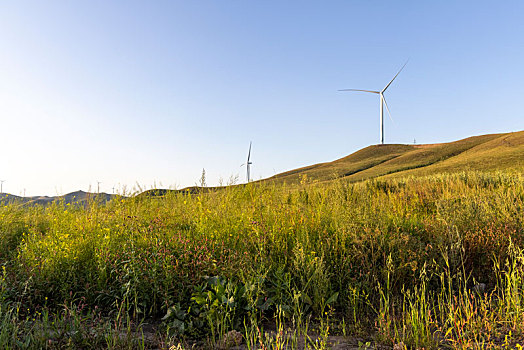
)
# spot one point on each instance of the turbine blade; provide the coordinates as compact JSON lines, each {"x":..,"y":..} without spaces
{"x":373,"y":92}
{"x":387,"y":108}
{"x":249,"y":153}
{"x":384,"y":89}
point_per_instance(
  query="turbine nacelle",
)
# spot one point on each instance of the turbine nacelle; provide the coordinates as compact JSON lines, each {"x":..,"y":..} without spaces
{"x":382,"y":102}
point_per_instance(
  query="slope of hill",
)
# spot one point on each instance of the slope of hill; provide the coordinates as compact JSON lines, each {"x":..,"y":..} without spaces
{"x":359,"y":161}
{"x":505,"y":152}
{"x":485,"y":152}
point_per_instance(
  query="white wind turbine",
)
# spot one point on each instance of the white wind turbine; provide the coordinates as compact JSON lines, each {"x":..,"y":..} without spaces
{"x":248,"y":163}
{"x":382,"y":102}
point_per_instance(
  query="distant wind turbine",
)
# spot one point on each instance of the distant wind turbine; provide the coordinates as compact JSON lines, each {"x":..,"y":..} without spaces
{"x":382,"y":102}
{"x":248,"y":163}
{"x":2,"y":186}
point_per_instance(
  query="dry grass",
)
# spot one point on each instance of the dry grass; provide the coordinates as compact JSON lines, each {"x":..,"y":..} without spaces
{"x":486,"y":152}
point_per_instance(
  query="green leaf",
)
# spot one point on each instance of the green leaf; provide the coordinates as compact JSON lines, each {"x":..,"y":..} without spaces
{"x":199,"y":300}
{"x":332,"y":299}
{"x":170,"y":312}
{"x":179,"y":326}
{"x":307,"y":299}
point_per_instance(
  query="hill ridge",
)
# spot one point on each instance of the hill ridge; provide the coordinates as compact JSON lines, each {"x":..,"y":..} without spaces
{"x":399,"y":159}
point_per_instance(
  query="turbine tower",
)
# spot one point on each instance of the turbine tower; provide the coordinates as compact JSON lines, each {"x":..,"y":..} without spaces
{"x":248,"y":163}
{"x":382,"y":102}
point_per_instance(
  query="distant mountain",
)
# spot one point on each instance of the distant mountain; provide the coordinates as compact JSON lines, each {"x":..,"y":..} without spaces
{"x":78,"y":197}
{"x":485,"y":152}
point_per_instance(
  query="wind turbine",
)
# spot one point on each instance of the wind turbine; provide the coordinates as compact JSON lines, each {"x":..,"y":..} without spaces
{"x":382,"y":102}
{"x":248,"y":163}
{"x":2,"y":186}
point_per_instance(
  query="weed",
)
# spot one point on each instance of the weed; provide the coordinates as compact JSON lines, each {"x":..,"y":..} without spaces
{"x":398,"y":259}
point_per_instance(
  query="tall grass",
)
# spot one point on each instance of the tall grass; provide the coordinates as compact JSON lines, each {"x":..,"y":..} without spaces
{"x":395,"y":259}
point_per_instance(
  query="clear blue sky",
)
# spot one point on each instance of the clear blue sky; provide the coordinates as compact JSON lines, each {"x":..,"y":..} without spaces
{"x":154,"y":91}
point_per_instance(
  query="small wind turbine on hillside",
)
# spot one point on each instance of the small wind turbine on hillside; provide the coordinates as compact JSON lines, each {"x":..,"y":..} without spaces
{"x":2,"y":186}
{"x":248,"y":163}
{"x":382,"y":102}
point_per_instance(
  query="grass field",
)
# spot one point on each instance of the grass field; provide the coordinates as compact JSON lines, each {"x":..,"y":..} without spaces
{"x":485,"y":152}
{"x":416,"y":262}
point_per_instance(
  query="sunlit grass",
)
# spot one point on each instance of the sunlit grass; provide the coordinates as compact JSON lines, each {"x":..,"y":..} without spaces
{"x":394,"y":260}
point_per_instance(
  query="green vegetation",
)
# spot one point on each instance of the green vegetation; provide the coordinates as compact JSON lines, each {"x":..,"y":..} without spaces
{"x":478,"y":153}
{"x":422,"y":262}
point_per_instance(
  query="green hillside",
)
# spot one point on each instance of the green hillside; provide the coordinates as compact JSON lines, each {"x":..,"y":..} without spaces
{"x":485,"y":152}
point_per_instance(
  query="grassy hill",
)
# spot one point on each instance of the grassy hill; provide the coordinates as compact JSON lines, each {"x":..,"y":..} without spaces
{"x":485,"y":152}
